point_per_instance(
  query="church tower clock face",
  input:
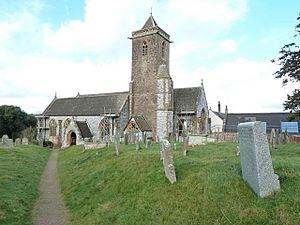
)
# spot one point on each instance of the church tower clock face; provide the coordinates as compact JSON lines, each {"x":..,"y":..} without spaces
{"x":150,"y":49}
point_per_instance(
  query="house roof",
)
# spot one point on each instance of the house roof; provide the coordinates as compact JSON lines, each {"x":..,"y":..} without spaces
{"x":150,"y":22}
{"x":273,"y":120}
{"x":186,"y":99}
{"x":87,"y":105}
{"x":84,"y":129}
{"x":219,"y":114}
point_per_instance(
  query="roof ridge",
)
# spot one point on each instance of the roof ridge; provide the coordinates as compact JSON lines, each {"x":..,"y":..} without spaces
{"x":101,"y":94}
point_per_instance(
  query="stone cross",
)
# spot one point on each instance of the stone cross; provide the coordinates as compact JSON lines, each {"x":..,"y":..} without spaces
{"x":256,"y":162}
{"x":166,"y":153}
{"x":117,"y":144}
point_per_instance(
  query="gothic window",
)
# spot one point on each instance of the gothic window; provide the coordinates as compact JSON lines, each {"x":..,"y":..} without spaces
{"x":52,"y":126}
{"x":163,"y":49}
{"x":145,"y":48}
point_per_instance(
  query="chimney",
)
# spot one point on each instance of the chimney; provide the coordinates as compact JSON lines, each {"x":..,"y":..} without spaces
{"x":219,"y":106}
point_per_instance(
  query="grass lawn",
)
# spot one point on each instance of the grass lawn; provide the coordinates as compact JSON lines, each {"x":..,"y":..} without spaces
{"x":102,"y":188}
{"x":20,"y":171}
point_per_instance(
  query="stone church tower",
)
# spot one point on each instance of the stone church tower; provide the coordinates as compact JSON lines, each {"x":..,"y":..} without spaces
{"x":150,"y":49}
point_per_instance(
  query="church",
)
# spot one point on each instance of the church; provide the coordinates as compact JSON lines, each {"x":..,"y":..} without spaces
{"x":151,"y":107}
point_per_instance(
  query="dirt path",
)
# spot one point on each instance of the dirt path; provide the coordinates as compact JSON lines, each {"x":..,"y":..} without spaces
{"x":50,"y":208}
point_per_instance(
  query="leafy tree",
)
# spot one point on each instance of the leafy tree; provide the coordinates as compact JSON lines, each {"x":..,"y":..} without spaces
{"x":289,"y":61}
{"x":13,"y":121}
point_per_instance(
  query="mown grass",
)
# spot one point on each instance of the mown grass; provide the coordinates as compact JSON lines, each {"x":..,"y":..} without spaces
{"x":102,"y":188}
{"x":20,"y":171}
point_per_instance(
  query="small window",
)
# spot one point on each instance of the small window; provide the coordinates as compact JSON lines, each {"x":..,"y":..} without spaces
{"x":163,"y":50}
{"x":145,"y":48}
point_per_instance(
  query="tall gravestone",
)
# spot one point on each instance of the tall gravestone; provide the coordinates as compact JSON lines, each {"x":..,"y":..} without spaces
{"x":257,"y":168}
{"x":117,"y":144}
{"x":167,"y":157}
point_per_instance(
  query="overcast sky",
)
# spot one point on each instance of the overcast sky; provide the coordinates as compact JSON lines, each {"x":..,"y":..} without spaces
{"x":71,"y":46}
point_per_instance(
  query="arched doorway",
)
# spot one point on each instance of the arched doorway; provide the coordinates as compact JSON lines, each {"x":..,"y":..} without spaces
{"x":73,"y":139}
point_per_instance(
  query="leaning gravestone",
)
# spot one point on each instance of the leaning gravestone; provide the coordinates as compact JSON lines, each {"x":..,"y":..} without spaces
{"x":167,"y":157}
{"x":24,"y":141}
{"x":256,"y":160}
{"x":9,"y":143}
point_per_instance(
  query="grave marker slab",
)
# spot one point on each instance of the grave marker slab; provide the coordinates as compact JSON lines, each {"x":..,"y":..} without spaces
{"x":24,"y":141}
{"x":117,"y":144}
{"x":18,"y":141}
{"x":256,"y":160}
{"x":168,"y":160}
{"x":4,"y":139}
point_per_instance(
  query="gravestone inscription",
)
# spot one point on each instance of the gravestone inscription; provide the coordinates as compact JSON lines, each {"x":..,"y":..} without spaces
{"x":256,"y":162}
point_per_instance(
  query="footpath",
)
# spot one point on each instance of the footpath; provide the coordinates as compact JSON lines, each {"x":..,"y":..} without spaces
{"x":50,"y":207}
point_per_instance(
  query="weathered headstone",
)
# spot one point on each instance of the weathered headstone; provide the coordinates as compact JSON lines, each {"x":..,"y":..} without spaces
{"x":137,"y":142}
{"x":18,"y":141}
{"x":272,"y":138}
{"x":256,"y":160}
{"x":166,"y":153}
{"x":185,"y":145}
{"x":276,"y":136}
{"x":148,"y":143}
{"x":9,"y":143}
{"x":117,"y":144}
{"x":24,"y":141}
{"x":126,"y":139}
{"x":4,"y":139}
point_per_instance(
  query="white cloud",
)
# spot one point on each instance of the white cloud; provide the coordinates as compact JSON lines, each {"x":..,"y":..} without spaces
{"x":243,"y":85}
{"x":228,"y":46}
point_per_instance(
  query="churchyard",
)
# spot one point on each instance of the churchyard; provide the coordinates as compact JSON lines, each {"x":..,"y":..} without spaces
{"x":151,"y":184}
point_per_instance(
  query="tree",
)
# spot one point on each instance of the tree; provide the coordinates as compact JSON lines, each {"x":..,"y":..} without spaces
{"x":289,"y":61}
{"x":13,"y":121}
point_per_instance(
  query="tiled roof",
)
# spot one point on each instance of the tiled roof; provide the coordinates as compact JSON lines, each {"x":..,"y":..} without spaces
{"x":186,"y":99}
{"x":150,"y":23}
{"x":142,"y":123}
{"x":84,"y":129}
{"x":87,"y":105}
{"x":273,"y":120}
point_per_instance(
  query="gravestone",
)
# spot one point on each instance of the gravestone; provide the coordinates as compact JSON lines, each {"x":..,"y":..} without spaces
{"x":256,"y":160}
{"x":117,"y":144}
{"x":18,"y":141}
{"x":167,"y":157}
{"x":148,"y":143}
{"x":272,"y":138}
{"x":24,"y":141}
{"x":185,"y":145}
{"x":126,"y":139}
{"x":137,"y":142}
{"x":4,"y":139}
